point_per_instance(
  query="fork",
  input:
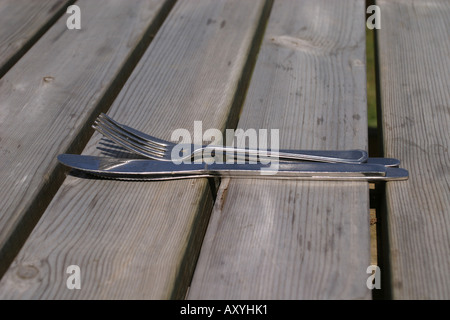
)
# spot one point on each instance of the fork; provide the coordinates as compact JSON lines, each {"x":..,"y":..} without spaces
{"x":158,"y":149}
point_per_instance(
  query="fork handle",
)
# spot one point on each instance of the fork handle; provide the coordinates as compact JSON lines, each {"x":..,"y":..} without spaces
{"x":332,"y":156}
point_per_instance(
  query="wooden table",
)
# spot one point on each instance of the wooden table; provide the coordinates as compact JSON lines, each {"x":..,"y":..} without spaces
{"x":159,"y":65}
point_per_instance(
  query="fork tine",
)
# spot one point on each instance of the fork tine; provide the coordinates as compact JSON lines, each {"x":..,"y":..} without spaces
{"x":126,"y":135}
{"x":134,"y":132}
{"x":129,"y":144}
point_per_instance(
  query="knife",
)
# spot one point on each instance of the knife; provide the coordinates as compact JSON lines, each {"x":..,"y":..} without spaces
{"x":375,"y":169}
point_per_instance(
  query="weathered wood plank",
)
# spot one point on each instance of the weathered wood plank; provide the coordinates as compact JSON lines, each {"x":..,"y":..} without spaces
{"x":141,"y":240}
{"x":414,"y":59}
{"x":22,"y":22}
{"x":50,"y":95}
{"x":297,"y":240}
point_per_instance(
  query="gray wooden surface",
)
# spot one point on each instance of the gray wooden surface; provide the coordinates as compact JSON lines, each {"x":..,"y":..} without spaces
{"x":159,"y":65}
{"x":414,"y":56}
{"x":22,"y":22}
{"x":141,"y":240}
{"x":47,"y":100}
{"x":297,"y":240}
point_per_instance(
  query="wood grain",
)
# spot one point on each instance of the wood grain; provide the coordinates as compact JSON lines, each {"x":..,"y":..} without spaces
{"x":47,"y":101}
{"x":141,"y":240}
{"x":22,"y":23}
{"x":413,"y":50}
{"x":297,"y":240}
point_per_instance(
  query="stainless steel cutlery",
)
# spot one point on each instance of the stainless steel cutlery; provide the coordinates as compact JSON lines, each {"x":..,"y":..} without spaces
{"x":346,"y":165}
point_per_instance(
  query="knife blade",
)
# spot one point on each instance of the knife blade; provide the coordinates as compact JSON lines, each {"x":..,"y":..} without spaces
{"x":142,"y":169}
